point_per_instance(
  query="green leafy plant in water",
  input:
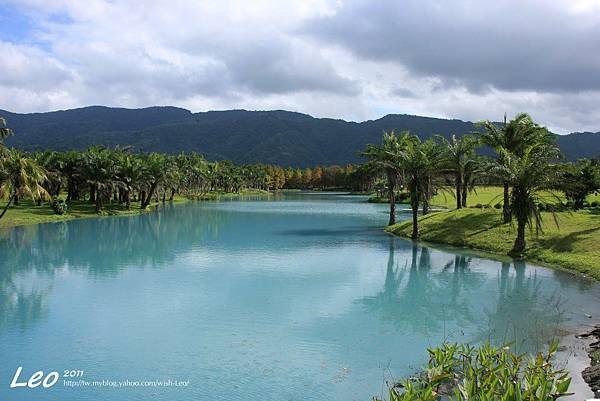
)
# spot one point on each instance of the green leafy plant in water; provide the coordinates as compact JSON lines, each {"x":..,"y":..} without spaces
{"x":461,"y":372}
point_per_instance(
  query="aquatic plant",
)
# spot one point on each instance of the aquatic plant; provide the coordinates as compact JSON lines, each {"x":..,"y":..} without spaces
{"x":461,"y":372}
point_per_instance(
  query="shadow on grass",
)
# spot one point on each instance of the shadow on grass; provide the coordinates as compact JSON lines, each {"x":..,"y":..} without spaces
{"x":456,"y":229}
{"x":565,"y":243}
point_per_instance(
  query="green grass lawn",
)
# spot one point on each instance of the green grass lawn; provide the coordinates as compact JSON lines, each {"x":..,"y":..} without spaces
{"x":573,"y":245}
{"x":491,"y":195}
{"x":28,"y":213}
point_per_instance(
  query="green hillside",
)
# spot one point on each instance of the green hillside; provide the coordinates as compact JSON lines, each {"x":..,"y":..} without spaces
{"x":276,"y":137}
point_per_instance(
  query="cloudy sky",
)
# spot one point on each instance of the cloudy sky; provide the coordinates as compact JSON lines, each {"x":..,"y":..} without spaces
{"x":355,"y":60}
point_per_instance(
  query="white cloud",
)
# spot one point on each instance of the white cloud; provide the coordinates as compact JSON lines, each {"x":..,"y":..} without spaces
{"x":354,"y":60}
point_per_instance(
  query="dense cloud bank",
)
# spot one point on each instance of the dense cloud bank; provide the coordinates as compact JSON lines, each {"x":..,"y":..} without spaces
{"x":354,"y":60}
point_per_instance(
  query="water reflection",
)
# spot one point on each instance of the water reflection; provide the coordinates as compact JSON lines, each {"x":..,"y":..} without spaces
{"x":419,"y":296}
{"x":315,"y":277}
{"x":105,"y":245}
{"x":424,"y":291}
{"x":525,"y":314}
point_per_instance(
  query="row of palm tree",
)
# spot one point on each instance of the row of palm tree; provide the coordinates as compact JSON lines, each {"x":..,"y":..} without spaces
{"x":524,"y":153}
{"x":19,"y":175}
{"x":102,"y":175}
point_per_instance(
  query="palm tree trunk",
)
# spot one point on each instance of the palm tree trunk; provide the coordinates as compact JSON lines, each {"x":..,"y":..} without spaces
{"x":128,"y":199}
{"x":70,"y":191}
{"x":506,"y":205}
{"x":12,"y":197}
{"x":172,"y":195}
{"x":458,"y":182}
{"x":98,"y":199}
{"x":92,"y":193}
{"x":148,"y":198}
{"x":392,"y":198}
{"x":519,"y":245}
{"x":464,"y":195}
{"x":392,"y":210}
{"x":414,"y":203}
{"x":426,"y":197}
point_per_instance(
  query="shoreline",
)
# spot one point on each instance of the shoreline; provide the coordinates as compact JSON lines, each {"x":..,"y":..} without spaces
{"x":55,"y":218}
{"x":574,"y":355}
{"x":568,"y":248}
{"x":30,"y":214}
{"x":497,"y":256}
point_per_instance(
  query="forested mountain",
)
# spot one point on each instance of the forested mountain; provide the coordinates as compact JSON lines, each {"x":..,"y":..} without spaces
{"x":276,"y":137}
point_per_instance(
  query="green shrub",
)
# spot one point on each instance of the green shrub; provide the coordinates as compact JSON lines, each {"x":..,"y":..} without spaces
{"x":595,"y":204}
{"x":59,"y":206}
{"x":463,"y":372}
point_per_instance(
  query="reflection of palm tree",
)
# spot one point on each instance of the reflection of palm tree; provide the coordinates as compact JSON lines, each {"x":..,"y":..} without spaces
{"x":153,"y":239}
{"x":525,"y":314}
{"x":412,"y":295}
{"x":20,"y":307}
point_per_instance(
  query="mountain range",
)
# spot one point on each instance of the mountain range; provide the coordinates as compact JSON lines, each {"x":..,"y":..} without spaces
{"x":276,"y":137}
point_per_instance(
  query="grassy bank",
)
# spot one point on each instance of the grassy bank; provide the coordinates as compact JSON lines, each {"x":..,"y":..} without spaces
{"x":572,"y":245}
{"x":218,"y":195}
{"x":27,"y":212}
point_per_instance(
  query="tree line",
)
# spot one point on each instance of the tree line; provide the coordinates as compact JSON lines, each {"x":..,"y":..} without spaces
{"x":526,"y":162}
{"x":103,"y":175}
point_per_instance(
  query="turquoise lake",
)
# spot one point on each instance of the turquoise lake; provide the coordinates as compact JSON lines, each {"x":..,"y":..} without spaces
{"x":295,"y":297}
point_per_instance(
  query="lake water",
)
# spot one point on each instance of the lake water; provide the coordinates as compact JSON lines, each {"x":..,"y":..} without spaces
{"x":301,"y":297}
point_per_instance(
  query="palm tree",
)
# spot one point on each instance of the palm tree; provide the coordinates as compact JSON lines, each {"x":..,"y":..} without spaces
{"x":100,"y":171}
{"x":527,"y":173}
{"x":156,"y":169}
{"x":460,"y":161}
{"x":130,"y":173}
{"x":71,"y":168}
{"x":434,"y":157}
{"x":20,"y":176}
{"x":384,"y":158}
{"x":4,"y":130}
{"x":513,"y":137}
{"x":578,"y":180}
{"x":418,"y":161}
{"x":51,"y":161}
{"x":472,"y":172}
